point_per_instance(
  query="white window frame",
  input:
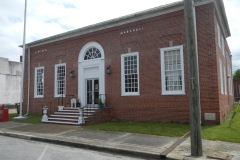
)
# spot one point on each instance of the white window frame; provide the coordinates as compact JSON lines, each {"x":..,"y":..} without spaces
{"x":219,"y":35}
{"x":36,"y":95}
{"x":229,"y":81}
{"x":55,"y":81}
{"x":92,"y":55}
{"x":124,"y":93}
{"x":223,"y":46}
{"x":221,"y":76}
{"x":225,"y":79}
{"x":164,"y":91}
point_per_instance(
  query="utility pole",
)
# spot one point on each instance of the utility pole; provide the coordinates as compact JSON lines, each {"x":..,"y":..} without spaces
{"x":193,"y":78}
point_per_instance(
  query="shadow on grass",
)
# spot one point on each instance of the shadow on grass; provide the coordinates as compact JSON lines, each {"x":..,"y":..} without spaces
{"x":30,"y":118}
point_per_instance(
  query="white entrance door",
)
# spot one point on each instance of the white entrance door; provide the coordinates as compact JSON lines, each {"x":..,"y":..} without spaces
{"x":92,"y":91}
{"x":91,"y":75}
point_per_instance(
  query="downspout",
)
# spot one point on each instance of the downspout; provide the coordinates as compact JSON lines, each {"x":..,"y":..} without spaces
{"x":29,"y":64}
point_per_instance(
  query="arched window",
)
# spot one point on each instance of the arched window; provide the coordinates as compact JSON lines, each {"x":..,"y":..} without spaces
{"x":92,"y":53}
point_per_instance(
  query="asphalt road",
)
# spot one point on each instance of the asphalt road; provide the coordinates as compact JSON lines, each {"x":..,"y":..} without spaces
{"x":13,"y":148}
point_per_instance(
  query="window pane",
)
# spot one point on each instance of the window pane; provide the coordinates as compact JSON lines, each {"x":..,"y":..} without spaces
{"x":61,"y":80}
{"x":39,"y":81}
{"x":172,"y":64}
{"x":130,"y":73}
{"x":92,"y":53}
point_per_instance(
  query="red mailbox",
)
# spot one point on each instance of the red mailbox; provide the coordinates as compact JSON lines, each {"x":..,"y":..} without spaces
{"x":3,"y":114}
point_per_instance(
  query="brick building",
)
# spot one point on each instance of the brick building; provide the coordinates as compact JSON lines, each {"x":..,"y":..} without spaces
{"x":137,"y":63}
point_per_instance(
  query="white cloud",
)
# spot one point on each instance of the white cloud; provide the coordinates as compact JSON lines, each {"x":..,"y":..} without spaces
{"x":49,"y":17}
{"x":11,"y":17}
{"x":233,"y":10}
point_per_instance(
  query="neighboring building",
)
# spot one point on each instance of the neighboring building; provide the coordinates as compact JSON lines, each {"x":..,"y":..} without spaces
{"x":140,"y":62}
{"x":10,"y":78}
{"x":236,"y":86}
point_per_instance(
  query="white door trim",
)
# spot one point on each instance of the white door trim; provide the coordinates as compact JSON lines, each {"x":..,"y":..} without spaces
{"x":84,"y":65}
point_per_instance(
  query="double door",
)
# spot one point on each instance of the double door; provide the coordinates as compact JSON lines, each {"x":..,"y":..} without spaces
{"x":92,"y":90}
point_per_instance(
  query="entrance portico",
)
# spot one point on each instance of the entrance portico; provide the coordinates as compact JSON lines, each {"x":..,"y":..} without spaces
{"x":91,"y":76}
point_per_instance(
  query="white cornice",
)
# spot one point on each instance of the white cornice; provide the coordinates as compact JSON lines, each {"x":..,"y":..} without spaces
{"x":157,"y":11}
{"x":222,"y":18}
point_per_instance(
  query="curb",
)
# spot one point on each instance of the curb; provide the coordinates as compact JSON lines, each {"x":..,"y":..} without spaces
{"x":165,"y":154}
{"x":82,"y":145}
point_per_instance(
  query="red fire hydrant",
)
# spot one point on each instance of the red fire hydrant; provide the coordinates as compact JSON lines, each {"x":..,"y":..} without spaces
{"x":3,"y":113}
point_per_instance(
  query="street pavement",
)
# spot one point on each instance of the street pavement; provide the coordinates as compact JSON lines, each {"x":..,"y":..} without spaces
{"x":12,"y":149}
{"x":137,"y":145}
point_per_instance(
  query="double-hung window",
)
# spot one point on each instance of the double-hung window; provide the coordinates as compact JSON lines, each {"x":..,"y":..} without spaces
{"x":221,"y":40}
{"x":221,"y":76}
{"x":225,"y":80}
{"x":60,"y":80}
{"x":219,"y":36}
{"x":223,"y":46}
{"x":39,"y":82}
{"x":229,"y":80}
{"x":172,"y":68}
{"x":130,"y":74}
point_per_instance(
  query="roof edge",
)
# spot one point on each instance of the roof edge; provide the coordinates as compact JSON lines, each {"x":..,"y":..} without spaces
{"x":222,"y":18}
{"x":149,"y":13}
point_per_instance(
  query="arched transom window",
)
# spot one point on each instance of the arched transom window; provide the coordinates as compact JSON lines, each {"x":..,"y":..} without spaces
{"x":92,"y":53}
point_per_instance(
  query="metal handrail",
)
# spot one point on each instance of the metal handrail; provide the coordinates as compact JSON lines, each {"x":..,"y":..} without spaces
{"x":66,"y":97}
{"x":53,"y":107}
{"x":62,"y":100}
{"x":53,"y":102}
{"x":105,"y":99}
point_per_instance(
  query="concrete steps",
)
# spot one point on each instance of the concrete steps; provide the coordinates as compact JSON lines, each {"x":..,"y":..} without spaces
{"x":60,"y":122}
{"x":71,"y":115}
{"x":63,"y":119}
{"x":63,"y":116}
{"x":66,"y":116}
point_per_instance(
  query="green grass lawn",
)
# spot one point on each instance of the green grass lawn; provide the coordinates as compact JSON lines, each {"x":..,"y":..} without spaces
{"x":154,"y":128}
{"x":11,"y":116}
{"x":223,"y":132}
{"x":212,"y":132}
{"x":30,"y":119}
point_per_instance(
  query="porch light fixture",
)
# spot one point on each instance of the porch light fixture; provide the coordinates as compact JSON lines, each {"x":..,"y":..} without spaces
{"x":108,"y":70}
{"x":72,"y":75}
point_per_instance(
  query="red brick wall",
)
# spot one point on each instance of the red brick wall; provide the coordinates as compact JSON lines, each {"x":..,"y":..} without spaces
{"x":155,"y":33}
{"x":208,"y":75}
{"x":225,"y":102}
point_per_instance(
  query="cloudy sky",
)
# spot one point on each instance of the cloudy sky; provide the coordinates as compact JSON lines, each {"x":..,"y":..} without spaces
{"x":49,"y":17}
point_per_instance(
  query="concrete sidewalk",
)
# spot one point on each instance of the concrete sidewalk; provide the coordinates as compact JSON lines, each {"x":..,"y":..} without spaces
{"x":138,"y":145}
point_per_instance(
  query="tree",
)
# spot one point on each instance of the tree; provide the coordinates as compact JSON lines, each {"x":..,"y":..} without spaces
{"x":236,"y":74}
